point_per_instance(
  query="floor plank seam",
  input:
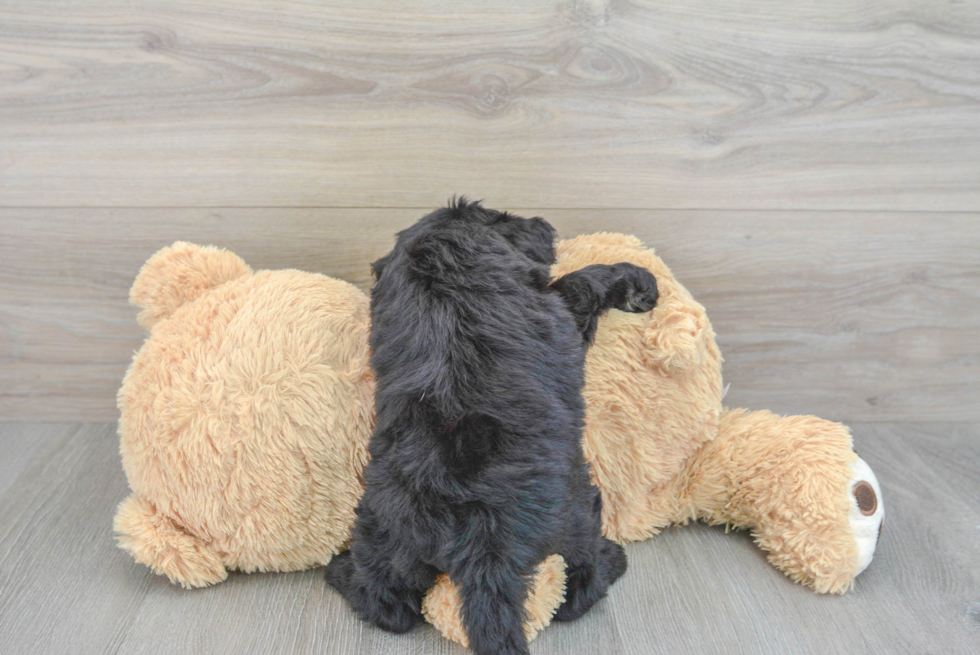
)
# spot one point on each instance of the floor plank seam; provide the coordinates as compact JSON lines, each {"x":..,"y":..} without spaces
{"x":721,"y":210}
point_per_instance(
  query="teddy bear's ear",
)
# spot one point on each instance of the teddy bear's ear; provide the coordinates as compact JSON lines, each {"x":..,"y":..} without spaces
{"x":178,"y":274}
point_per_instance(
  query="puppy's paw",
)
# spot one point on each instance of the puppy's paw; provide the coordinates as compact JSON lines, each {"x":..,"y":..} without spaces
{"x":396,"y":618}
{"x":612,"y":561}
{"x":340,"y":572}
{"x":867,"y":512}
{"x":637,"y":289}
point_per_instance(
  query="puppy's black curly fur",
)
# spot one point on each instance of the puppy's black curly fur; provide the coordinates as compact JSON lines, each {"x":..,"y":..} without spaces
{"x":476,"y":460}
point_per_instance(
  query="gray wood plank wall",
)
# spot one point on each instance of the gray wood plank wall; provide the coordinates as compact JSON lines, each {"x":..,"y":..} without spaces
{"x":838,"y":104}
{"x":810,"y":170}
{"x":852,"y":316}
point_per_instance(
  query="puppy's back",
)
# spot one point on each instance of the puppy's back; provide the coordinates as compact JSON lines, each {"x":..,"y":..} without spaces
{"x":466,"y":336}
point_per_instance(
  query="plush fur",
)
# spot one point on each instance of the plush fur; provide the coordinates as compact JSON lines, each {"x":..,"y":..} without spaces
{"x":476,"y":459}
{"x":665,"y":451}
{"x":653,"y":389}
{"x":213,"y":456}
{"x":243,"y":447}
{"x":441,"y":606}
{"x":244,"y":423}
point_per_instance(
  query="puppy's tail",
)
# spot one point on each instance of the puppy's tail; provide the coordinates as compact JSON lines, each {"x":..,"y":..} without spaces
{"x":493,"y":609}
{"x":153,"y":539}
{"x":441,"y":605}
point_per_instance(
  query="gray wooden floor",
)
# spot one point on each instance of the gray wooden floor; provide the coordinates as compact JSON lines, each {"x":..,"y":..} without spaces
{"x":65,"y":588}
{"x":810,"y":169}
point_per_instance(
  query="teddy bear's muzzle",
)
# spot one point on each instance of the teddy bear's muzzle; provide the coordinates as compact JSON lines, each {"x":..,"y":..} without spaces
{"x":867,"y":512}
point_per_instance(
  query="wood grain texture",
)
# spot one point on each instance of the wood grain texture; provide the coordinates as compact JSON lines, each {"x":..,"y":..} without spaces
{"x":708,"y":592}
{"x":841,"y":104}
{"x":63,"y":588}
{"x":21,"y":443}
{"x":850,"y":316}
{"x":66,"y":588}
{"x":127,"y":125}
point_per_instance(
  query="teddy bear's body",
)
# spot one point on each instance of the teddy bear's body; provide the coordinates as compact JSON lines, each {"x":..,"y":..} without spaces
{"x":246,"y":415}
{"x":244,"y":418}
{"x":653,"y":392}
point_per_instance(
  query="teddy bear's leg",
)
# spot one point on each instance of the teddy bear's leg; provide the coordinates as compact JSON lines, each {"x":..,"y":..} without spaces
{"x":441,"y":605}
{"x":812,"y":505}
{"x":153,"y":539}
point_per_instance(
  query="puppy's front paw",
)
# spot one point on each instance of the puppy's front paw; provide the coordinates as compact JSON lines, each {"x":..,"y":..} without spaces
{"x":638,"y":290}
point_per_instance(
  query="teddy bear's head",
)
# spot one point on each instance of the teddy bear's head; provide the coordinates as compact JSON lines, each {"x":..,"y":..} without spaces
{"x":245,"y":416}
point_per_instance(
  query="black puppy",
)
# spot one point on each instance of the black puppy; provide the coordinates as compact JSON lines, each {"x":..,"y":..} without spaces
{"x":476,"y":460}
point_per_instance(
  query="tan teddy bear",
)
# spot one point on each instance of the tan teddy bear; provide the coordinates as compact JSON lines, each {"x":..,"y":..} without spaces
{"x":246,"y":414}
{"x":664,"y":451}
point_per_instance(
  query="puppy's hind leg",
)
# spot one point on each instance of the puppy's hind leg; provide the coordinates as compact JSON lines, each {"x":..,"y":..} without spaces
{"x":588,"y":580}
{"x":388,"y":597}
{"x":593,"y":562}
{"x":590,"y":291}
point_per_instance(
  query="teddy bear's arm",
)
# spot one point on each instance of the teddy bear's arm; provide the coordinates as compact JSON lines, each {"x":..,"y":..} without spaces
{"x":678,"y":334}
